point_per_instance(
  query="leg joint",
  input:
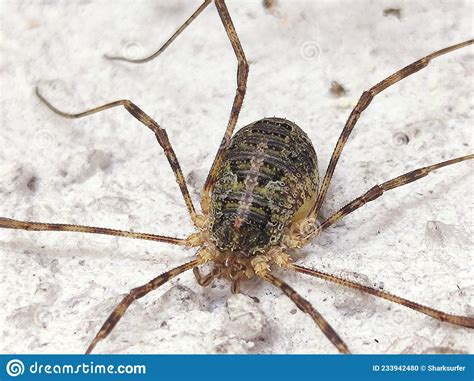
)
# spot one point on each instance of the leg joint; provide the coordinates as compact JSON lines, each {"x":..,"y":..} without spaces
{"x":373,"y":193}
{"x":364,"y":100}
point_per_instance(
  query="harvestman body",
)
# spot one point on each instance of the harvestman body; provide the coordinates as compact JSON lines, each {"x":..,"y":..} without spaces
{"x":262,"y":197}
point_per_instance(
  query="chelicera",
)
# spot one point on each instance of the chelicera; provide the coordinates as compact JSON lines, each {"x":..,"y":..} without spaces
{"x":261,"y":200}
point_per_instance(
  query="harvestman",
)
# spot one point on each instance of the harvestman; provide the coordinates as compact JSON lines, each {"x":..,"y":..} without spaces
{"x":299,"y":228}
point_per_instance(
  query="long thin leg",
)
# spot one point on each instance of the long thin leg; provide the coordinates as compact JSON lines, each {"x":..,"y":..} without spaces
{"x":464,"y":321}
{"x":167,"y":43}
{"x":377,"y":191}
{"x":306,"y":307}
{"x":135,"y":294}
{"x":8,"y":223}
{"x":362,"y":104}
{"x":242,"y":74}
{"x":160,"y":135}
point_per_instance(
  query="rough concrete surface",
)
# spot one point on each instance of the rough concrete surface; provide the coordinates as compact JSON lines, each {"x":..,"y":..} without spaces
{"x":108,"y":170}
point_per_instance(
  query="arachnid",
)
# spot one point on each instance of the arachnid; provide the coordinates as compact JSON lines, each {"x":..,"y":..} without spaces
{"x":260,"y":169}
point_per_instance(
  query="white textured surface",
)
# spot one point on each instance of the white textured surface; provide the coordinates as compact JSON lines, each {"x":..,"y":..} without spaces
{"x":107,"y":170}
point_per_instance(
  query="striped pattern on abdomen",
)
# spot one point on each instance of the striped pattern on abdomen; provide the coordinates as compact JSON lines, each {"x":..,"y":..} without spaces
{"x":268,"y":173}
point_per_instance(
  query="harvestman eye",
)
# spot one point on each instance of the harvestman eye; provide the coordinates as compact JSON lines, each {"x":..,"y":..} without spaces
{"x":261,"y":199}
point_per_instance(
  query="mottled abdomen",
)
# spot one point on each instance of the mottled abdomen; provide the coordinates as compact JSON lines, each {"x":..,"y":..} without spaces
{"x":268,"y":179}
